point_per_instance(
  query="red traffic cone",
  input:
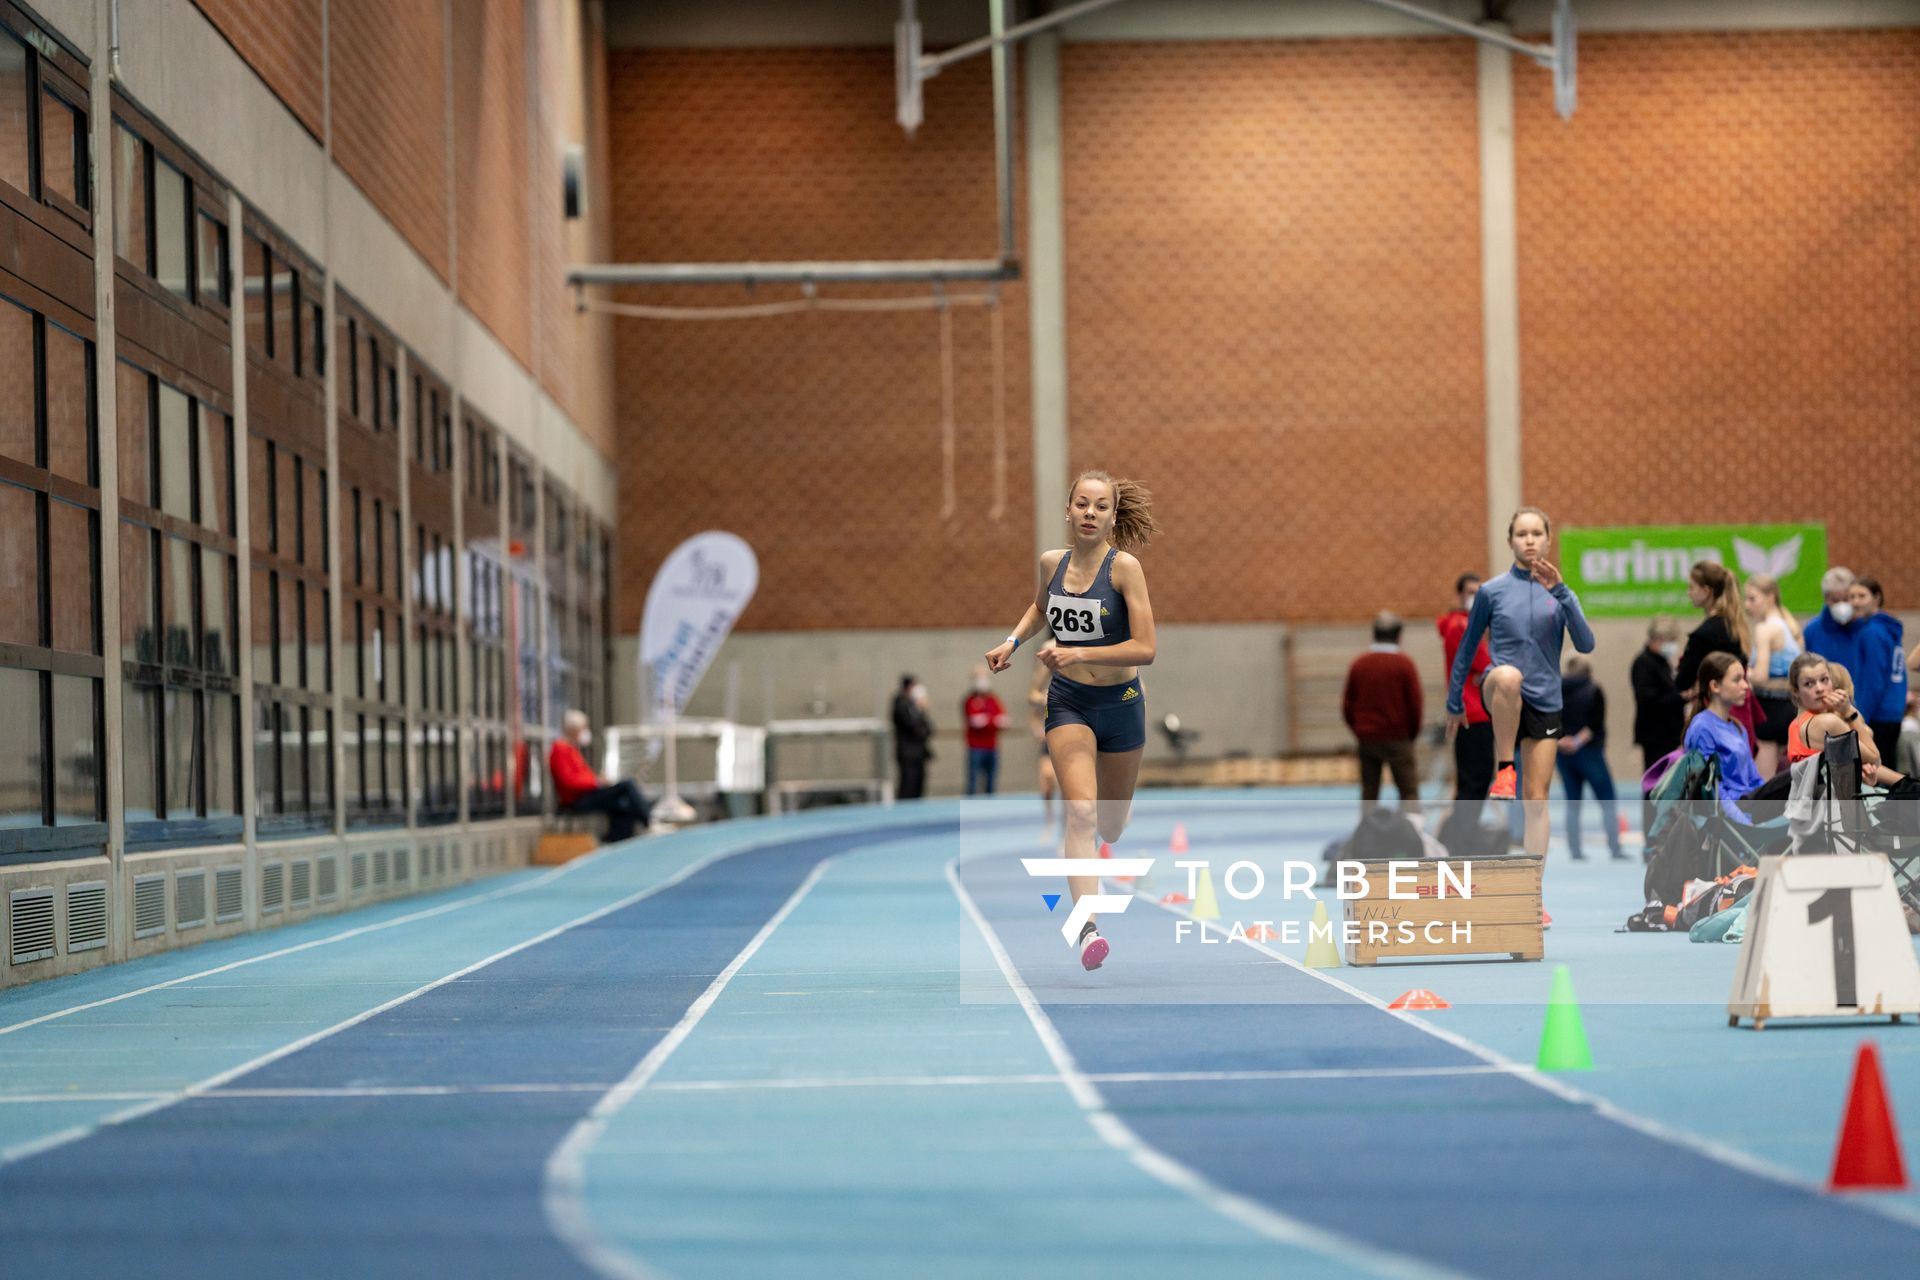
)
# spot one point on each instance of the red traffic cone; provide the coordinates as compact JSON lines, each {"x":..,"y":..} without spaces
{"x":1419,"y":998}
{"x":1623,"y":824}
{"x":1261,"y":933}
{"x":1179,"y":842}
{"x":1868,"y":1156}
{"x":1106,"y":850}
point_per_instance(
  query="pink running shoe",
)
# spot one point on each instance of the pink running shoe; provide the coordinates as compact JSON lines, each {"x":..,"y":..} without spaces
{"x":1093,"y":951}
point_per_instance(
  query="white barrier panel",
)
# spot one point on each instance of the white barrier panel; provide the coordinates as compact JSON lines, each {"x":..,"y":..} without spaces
{"x":1825,"y":938}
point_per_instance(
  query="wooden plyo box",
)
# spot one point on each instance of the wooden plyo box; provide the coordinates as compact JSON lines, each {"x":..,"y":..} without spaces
{"x":1502,"y":915}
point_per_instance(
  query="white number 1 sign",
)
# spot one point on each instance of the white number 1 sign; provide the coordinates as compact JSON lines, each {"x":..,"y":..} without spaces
{"x":1825,"y":938}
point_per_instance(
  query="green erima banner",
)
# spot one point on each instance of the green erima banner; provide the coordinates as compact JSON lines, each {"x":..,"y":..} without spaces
{"x":1640,"y":570}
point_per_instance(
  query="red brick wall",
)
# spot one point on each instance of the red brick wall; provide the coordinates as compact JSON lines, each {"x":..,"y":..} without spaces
{"x":389,"y":88}
{"x":490,"y":168}
{"x":815,"y":437}
{"x":280,"y":40}
{"x":1718,"y":275}
{"x":1273,"y":315}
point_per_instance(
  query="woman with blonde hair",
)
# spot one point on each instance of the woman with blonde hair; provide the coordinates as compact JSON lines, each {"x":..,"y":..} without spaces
{"x":1093,"y":596}
{"x":1776,"y":643}
{"x":1714,"y":590}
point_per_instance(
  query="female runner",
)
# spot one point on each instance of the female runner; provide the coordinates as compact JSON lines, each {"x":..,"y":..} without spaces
{"x":1093,"y":596}
{"x":1525,"y":614}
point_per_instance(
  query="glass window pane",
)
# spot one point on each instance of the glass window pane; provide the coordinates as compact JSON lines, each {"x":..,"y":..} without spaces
{"x":137,"y":746}
{"x":176,"y":454}
{"x":319,"y":667}
{"x":263,"y":614}
{"x":69,"y":405}
{"x":316,"y":518}
{"x":129,"y":196}
{"x":317,"y":339}
{"x":320,"y":763}
{"x":259,"y":337}
{"x":170,"y":228}
{"x":265,"y":758}
{"x":291,"y":633}
{"x":70,"y":546}
{"x":20,"y":800}
{"x":185,"y":751}
{"x":132,"y":388}
{"x":136,"y":594}
{"x":293,"y":771}
{"x":17,"y":430}
{"x":285,"y":337}
{"x":260,"y":495}
{"x":13,"y":112}
{"x":177,"y":602}
{"x":288,"y":474}
{"x":212,"y":258}
{"x":60,"y":135}
{"x":216,"y":459}
{"x":76,"y":750}
{"x":20,"y":565}
{"x":216,"y":636}
{"x":223,"y":765}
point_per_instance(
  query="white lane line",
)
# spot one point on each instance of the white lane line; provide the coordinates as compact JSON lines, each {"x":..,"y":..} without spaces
{"x":777,"y":1083}
{"x":563,"y":1196}
{"x":1115,"y":1132}
{"x":411,"y":917}
{"x":24,"y":1150}
{"x":1718,"y":1152}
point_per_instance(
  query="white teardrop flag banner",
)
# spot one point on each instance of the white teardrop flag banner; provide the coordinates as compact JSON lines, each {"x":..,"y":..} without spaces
{"x":696,"y":597}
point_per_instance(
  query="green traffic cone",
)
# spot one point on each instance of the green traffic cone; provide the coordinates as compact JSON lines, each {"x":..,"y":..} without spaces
{"x":1563,"y":1040}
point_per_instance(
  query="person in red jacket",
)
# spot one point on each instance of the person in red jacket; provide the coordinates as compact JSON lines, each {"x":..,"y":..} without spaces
{"x":578,"y":789}
{"x":985,"y":718}
{"x":1382,"y":705}
{"x":1473,"y":745}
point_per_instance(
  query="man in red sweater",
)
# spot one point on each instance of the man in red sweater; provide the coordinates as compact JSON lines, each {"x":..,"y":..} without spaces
{"x":1382,"y":705}
{"x":985,"y":717}
{"x":578,"y":789}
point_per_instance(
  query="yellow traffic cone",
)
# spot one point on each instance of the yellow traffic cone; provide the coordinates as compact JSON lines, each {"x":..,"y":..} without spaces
{"x":1204,"y":906}
{"x":1322,"y":951}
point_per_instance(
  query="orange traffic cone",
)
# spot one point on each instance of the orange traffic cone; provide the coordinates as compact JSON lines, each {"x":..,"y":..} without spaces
{"x":1174,"y":900}
{"x":1179,"y":842}
{"x":1261,"y":933}
{"x":1868,"y":1155}
{"x":1419,"y":998}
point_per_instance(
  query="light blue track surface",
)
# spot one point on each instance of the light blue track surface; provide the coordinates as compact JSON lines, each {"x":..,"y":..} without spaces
{"x":866,"y":1096}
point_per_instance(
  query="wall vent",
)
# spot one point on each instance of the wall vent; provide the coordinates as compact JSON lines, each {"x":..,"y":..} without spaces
{"x":273,"y":887}
{"x":86,"y":916}
{"x":229,"y":886}
{"x":359,"y":878}
{"x":30,"y":932}
{"x":328,"y":876}
{"x":190,"y":899}
{"x":379,"y":866}
{"x":149,"y":905}
{"x":301,"y":874}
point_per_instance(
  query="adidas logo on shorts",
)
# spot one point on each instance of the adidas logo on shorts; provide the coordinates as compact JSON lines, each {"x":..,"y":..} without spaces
{"x":1130,"y":694}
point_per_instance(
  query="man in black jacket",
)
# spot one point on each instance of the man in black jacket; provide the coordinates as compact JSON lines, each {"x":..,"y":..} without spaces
{"x":1659,"y":712}
{"x":912,"y":738}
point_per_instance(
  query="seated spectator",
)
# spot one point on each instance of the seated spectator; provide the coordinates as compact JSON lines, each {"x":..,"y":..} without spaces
{"x":1715,"y":733}
{"x":1910,"y":738}
{"x":578,"y":789}
{"x":1824,"y":692}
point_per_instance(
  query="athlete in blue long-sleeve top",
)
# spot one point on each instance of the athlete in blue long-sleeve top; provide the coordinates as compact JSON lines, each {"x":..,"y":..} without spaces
{"x":1525,"y":615}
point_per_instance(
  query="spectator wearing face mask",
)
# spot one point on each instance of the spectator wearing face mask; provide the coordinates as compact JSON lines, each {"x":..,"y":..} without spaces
{"x":1835,"y":633}
{"x":985,"y":718}
{"x":1659,"y":710}
{"x":912,"y":738}
{"x":1880,"y":667}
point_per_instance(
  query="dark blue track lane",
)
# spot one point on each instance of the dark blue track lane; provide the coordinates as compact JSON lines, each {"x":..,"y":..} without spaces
{"x":404,"y":1186}
{"x":1487,"y":1174}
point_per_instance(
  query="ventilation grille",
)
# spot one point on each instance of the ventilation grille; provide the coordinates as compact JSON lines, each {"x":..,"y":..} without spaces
{"x":456,"y":859}
{"x":440,"y":860}
{"x":149,"y":905}
{"x":329,"y":878}
{"x":379,"y":866}
{"x":402,"y":865}
{"x":359,"y":871}
{"x":86,"y":916}
{"x":302,"y":884}
{"x":273,"y":887}
{"x":189,"y":899}
{"x":31,"y":935}
{"x":228,"y":888}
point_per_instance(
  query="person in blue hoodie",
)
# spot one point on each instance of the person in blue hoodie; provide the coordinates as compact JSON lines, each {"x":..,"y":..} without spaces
{"x":1526,"y":614}
{"x":1880,"y":674}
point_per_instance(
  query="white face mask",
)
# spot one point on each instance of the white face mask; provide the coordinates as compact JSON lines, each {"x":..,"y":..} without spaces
{"x":981,"y":685}
{"x":1842,"y":611}
{"x":1670,"y":651}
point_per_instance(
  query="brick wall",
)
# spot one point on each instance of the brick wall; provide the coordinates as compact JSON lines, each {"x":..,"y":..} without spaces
{"x":815,"y":437}
{"x":389,"y":89}
{"x":1718,"y":271}
{"x":490,"y":168}
{"x":1273,"y":316}
{"x":280,"y":40}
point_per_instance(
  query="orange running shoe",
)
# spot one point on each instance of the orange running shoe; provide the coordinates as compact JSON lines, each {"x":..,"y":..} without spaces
{"x":1503,"y":784}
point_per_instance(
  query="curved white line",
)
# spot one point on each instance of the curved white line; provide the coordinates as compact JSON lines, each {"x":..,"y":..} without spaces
{"x":1116,"y":1134}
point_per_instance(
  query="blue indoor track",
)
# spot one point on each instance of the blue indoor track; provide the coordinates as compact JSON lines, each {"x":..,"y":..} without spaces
{"x":853,"y":1043}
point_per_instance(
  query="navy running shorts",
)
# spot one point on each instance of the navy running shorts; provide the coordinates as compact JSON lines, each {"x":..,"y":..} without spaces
{"x":1117,"y":713}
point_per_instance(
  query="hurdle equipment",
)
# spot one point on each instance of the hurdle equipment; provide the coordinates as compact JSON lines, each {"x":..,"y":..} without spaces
{"x":1825,"y":938}
{"x":1563,"y":1038}
{"x":1419,"y":998}
{"x":1867,"y":1155}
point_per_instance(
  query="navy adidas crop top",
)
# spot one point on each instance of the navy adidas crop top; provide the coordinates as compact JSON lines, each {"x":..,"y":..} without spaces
{"x":1094,"y":617}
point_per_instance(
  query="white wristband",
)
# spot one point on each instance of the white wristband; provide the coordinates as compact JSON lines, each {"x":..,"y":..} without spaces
{"x":1014,"y":641}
